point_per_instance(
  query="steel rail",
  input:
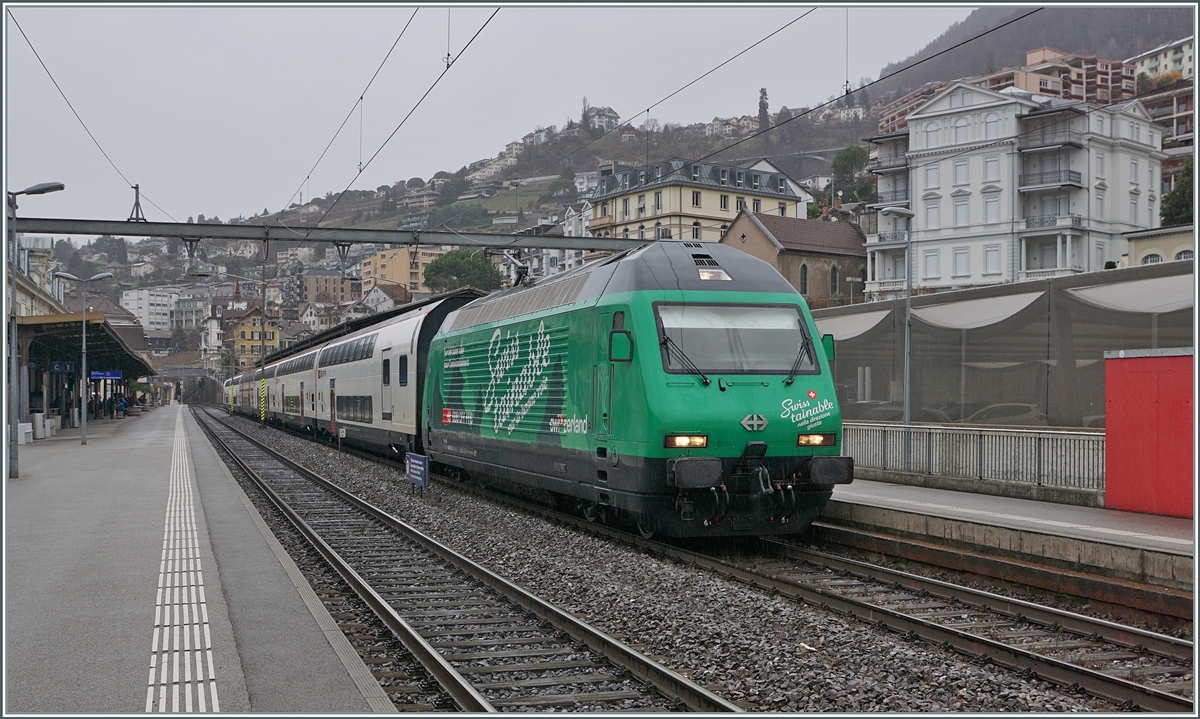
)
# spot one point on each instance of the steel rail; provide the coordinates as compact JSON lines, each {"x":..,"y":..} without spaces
{"x":458,"y":687}
{"x":1130,"y":637}
{"x":692,"y":695}
{"x":1115,"y":689}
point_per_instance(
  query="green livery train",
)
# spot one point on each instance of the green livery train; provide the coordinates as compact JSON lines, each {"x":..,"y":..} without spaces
{"x":678,"y":388}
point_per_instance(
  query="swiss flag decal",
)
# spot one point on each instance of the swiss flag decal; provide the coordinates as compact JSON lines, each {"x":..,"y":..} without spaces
{"x":812,"y":394}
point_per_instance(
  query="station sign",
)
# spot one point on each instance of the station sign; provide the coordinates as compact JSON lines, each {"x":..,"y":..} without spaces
{"x":418,"y":469}
{"x":61,"y":367}
{"x":105,"y":374}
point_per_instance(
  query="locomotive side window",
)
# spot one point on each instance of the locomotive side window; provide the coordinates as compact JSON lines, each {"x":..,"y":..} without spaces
{"x":387,"y":371}
{"x":403,"y":370}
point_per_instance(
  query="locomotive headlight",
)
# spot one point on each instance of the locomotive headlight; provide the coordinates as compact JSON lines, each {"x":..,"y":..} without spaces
{"x":685,"y":441}
{"x":812,"y":440}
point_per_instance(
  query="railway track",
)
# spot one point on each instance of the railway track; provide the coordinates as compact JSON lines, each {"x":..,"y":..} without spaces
{"x":490,"y":644}
{"x":1131,"y":667}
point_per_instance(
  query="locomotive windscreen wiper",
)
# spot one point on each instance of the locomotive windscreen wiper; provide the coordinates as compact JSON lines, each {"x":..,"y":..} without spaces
{"x":799,"y":360}
{"x":688,"y":364}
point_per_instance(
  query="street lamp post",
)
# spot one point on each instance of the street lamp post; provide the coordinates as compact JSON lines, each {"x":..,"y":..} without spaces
{"x":83,"y":370}
{"x":904,"y":212}
{"x":851,"y":281}
{"x":13,"y":374}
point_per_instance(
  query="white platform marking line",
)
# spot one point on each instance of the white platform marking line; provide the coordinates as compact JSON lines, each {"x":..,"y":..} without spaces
{"x":1047,"y":522}
{"x":180,"y":612}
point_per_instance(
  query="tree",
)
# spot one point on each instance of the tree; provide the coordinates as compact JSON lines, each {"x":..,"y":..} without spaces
{"x":462,"y":268}
{"x":113,"y":248}
{"x":415,"y":183}
{"x":383,"y":188}
{"x":848,"y":166}
{"x":64,"y":250}
{"x":1177,"y":204}
{"x":583,"y":117}
{"x":442,"y":175}
{"x":1143,"y":83}
{"x":764,"y":115}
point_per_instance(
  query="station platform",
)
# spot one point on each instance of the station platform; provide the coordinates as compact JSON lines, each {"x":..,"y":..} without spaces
{"x":1109,"y":526}
{"x":140,"y":578}
{"x":1136,"y":547}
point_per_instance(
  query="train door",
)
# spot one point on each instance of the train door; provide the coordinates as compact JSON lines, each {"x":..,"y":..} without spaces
{"x":385,"y":390}
{"x":602,"y":383}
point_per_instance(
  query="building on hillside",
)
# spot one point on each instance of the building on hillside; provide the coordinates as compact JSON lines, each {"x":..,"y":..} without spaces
{"x":602,"y":118}
{"x":385,"y":296}
{"x":303,"y":255}
{"x":1173,"y":109}
{"x":151,"y":306}
{"x":405,"y":265}
{"x":893,"y":117}
{"x":352,"y":311}
{"x":327,"y":286}
{"x":1162,"y":244}
{"x":319,"y":316}
{"x":139,"y":270}
{"x":513,"y":149}
{"x":254,"y":335}
{"x":1173,"y":57}
{"x":291,"y":333}
{"x":1009,"y":186}
{"x":158,"y":342}
{"x":816,"y":257}
{"x":421,"y":198}
{"x":816,"y":182}
{"x":1074,"y":77}
{"x":191,"y":308}
{"x":684,"y":200}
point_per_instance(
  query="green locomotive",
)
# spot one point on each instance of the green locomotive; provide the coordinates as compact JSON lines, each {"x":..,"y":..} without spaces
{"x":679,"y":387}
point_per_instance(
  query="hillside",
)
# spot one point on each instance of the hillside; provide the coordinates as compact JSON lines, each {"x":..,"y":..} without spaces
{"x":1112,"y":33}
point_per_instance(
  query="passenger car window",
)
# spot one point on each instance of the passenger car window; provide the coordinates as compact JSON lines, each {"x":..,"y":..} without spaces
{"x":403,"y":370}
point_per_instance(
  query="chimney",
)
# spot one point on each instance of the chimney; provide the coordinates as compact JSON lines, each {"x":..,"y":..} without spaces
{"x":837,"y":203}
{"x":824,"y":212}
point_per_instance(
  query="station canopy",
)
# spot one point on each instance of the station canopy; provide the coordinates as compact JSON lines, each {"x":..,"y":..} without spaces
{"x":56,"y":338}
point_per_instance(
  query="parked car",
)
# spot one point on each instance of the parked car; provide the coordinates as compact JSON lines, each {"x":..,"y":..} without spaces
{"x":1093,"y":421}
{"x":893,"y":412}
{"x":1009,"y":413}
{"x":852,"y":410}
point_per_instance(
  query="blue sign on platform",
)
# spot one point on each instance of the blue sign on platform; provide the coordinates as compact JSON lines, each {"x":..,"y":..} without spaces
{"x":59,"y":367}
{"x":106,"y":374}
{"x":418,"y":469}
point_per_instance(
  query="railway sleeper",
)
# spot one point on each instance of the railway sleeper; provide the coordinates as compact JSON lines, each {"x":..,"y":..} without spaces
{"x":597,"y":678}
{"x":533,"y":667}
{"x":567,"y":699}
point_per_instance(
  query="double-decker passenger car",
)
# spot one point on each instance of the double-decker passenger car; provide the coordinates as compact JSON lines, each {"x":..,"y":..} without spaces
{"x":679,"y":387}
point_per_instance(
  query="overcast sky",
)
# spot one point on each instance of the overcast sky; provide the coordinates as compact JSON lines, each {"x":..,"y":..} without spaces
{"x":223,"y":110}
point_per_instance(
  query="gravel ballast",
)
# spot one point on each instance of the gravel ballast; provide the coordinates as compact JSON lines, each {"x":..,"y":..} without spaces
{"x":771,"y":654}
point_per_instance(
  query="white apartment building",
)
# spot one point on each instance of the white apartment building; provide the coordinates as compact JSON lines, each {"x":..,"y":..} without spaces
{"x":1008,"y":186}
{"x":1172,"y":57}
{"x":152,"y":306}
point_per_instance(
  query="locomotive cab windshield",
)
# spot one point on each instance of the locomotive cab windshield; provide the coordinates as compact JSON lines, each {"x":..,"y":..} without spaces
{"x":734,"y":339}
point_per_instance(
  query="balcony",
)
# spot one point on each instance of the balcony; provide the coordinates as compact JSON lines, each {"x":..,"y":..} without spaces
{"x":887,"y":161}
{"x":886,"y":285}
{"x":1042,"y":274}
{"x":1051,"y":138}
{"x":1160,"y":110}
{"x":1054,"y":178}
{"x":891,"y":237}
{"x":1053,"y":221}
{"x":891,"y":197}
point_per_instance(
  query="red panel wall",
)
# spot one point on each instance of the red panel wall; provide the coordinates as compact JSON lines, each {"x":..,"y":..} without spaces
{"x":1149,"y":435}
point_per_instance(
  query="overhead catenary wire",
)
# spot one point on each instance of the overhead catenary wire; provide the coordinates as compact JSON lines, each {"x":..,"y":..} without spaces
{"x":362,"y":169}
{"x":77,"y":117}
{"x":626,"y":123}
{"x":357,"y":104}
